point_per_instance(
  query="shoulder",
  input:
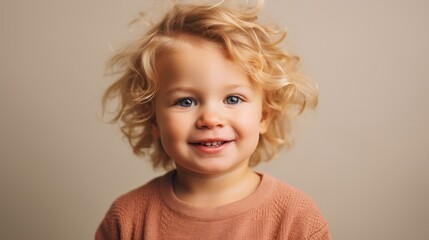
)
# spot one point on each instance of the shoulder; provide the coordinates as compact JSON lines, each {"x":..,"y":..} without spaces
{"x":292,"y":198}
{"x":127,"y":210}
{"x":300,"y":214}
{"x":136,"y":199}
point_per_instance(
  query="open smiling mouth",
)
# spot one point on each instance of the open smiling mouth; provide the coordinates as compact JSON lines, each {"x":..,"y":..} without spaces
{"x":211,"y":144}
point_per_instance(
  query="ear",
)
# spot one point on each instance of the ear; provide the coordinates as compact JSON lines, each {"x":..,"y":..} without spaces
{"x":265,"y":122}
{"x":155,"y":130}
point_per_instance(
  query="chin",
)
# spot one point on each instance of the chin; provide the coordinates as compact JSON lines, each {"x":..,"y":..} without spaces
{"x":214,"y":168}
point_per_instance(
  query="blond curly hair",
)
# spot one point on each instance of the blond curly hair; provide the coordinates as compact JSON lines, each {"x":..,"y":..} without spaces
{"x":250,"y":44}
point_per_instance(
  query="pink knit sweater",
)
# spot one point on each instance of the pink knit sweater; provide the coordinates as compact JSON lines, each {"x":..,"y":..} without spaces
{"x":273,"y":211}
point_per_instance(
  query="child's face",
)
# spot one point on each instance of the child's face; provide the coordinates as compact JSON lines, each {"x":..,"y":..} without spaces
{"x":208,"y":115}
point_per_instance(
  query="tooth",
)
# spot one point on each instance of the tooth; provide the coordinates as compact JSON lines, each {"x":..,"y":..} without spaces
{"x":212,"y":144}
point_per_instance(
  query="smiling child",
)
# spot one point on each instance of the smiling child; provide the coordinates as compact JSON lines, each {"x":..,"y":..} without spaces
{"x":207,"y":93}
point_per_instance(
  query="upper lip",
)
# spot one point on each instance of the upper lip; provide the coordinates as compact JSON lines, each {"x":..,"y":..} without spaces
{"x":205,"y":140}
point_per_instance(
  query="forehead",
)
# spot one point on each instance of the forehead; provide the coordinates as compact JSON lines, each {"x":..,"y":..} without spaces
{"x":188,"y":51}
{"x":199,"y":59}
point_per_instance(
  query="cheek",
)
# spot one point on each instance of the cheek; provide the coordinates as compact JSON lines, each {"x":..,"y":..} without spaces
{"x":168,"y":135}
{"x":166,"y":127}
{"x":248,"y":124}
{"x":173,"y":127}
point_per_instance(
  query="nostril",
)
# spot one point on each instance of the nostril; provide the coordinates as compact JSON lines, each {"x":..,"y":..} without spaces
{"x":209,"y":122}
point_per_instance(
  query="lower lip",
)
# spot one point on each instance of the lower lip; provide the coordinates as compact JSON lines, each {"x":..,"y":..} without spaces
{"x":210,"y":150}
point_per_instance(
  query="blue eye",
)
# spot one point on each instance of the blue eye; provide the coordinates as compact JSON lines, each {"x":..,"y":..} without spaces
{"x":186,"y":102}
{"x":232,"y":100}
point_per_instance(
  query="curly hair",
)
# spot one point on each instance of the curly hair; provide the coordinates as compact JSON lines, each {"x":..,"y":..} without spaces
{"x":250,"y":44}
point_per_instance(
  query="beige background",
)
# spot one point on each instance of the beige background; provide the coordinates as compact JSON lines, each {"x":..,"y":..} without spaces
{"x":363,"y":155}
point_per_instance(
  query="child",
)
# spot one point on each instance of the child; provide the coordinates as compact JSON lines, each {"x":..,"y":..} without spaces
{"x":207,"y":93}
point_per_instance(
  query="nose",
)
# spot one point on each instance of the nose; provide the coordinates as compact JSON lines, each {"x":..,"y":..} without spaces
{"x":210,"y":117}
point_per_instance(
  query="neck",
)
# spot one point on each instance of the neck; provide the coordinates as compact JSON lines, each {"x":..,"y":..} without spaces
{"x":214,"y":190}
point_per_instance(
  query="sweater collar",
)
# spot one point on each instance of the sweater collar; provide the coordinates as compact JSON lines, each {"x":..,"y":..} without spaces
{"x":262,"y":192}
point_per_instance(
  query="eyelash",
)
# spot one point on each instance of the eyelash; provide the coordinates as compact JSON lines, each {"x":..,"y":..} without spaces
{"x":181,"y":102}
{"x":237,"y":98}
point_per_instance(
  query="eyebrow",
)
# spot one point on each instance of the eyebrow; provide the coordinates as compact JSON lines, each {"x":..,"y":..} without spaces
{"x":193,"y":89}
{"x":236,"y":87}
{"x":180,"y":89}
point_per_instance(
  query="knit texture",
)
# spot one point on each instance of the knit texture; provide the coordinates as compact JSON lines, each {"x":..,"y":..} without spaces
{"x":273,"y":211}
